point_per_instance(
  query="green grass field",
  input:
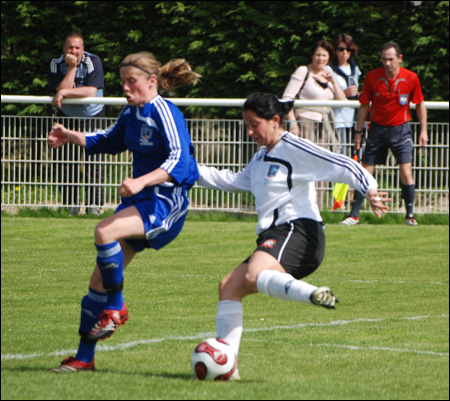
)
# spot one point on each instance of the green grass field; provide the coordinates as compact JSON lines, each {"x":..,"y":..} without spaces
{"x":388,"y":339}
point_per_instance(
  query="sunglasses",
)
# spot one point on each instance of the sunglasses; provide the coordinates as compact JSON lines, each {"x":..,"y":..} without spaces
{"x":341,"y":49}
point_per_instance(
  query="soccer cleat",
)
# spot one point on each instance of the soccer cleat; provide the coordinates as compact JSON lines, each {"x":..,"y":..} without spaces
{"x":71,"y":365}
{"x":350,"y":221}
{"x":411,"y":221}
{"x":323,"y":296}
{"x":108,"y":323}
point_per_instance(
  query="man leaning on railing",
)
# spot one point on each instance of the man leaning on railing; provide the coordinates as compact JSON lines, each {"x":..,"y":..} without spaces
{"x":77,"y":73}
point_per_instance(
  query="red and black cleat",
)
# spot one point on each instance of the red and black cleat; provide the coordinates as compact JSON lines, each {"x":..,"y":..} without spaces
{"x":108,"y":323}
{"x":71,"y":365}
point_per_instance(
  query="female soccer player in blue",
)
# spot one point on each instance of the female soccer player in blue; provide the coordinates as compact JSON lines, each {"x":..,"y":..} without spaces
{"x":154,"y":202}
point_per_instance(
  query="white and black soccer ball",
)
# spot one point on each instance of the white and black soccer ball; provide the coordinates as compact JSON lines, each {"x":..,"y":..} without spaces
{"x":213,"y":359}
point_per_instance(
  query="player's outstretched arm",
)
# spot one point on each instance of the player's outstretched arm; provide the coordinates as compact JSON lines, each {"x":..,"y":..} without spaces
{"x":60,"y":135}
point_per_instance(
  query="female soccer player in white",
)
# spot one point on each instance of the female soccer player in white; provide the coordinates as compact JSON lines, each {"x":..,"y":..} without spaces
{"x":291,"y":242}
{"x":154,"y":202}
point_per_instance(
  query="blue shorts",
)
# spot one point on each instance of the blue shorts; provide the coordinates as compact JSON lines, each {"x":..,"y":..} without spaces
{"x":382,"y":138}
{"x":163,"y":214}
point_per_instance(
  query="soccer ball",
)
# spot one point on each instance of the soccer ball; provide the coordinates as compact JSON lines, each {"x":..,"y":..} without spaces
{"x":213,"y":359}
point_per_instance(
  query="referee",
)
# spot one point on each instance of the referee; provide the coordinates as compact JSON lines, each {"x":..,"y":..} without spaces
{"x":390,"y":89}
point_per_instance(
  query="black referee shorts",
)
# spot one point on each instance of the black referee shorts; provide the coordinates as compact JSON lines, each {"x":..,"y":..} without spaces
{"x":381,"y":139}
{"x":299,"y":246}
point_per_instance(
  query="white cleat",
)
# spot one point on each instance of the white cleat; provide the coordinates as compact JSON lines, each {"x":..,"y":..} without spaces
{"x":323,"y":296}
{"x":349,"y":221}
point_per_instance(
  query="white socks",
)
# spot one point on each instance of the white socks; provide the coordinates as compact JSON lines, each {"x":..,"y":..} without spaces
{"x":284,"y":286}
{"x":229,"y":322}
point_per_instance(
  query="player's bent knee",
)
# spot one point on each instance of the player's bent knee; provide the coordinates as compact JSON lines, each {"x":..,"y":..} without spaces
{"x":102,"y":233}
{"x":224,"y":286}
{"x":250,"y":278}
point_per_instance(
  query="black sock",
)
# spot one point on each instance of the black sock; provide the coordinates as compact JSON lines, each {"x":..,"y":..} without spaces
{"x":357,"y":203}
{"x":408,"y":194}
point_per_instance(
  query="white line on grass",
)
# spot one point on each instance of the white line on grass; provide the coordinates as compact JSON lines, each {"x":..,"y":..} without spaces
{"x":394,"y":282}
{"x":358,"y":348}
{"x":121,"y":347}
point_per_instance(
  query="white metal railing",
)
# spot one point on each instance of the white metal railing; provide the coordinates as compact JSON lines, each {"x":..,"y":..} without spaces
{"x":120,"y":101}
{"x":35,"y":176}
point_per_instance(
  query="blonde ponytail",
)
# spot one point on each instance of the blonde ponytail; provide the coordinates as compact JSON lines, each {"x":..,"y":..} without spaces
{"x":176,"y":73}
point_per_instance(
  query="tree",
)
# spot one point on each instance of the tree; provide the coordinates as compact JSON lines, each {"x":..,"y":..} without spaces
{"x":238,"y":46}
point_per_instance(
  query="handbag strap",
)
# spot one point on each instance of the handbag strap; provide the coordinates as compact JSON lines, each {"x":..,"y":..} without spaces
{"x":304,"y":82}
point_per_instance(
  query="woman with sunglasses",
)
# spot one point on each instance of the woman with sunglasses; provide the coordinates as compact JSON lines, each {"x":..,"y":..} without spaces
{"x":346,"y":73}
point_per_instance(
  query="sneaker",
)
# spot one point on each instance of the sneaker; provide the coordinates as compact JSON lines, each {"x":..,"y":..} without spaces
{"x":74,"y":211}
{"x":74,"y":365}
{"x":411,"y":221}
{"x":323,"y":296}
{"x":108,"y":323}
{"x":350,"y":221}
{"x":96,"y":211}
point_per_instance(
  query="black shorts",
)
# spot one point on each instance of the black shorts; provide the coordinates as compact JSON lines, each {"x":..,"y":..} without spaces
{"x":381,"y":139}
{"x":299,"y":246}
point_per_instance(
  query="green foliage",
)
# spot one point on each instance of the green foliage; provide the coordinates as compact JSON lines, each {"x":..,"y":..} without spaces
{"x":238,"y":46}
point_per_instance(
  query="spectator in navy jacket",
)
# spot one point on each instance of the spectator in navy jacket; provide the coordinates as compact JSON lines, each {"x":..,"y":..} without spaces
{"x":79,"y":74}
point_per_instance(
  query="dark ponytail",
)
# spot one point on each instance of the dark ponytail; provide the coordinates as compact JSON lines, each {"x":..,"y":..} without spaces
{"x":267,"y":105}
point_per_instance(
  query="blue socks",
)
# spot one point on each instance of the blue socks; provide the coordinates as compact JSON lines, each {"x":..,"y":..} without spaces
{"x":110,"y":262}
{"x":92,"y":306}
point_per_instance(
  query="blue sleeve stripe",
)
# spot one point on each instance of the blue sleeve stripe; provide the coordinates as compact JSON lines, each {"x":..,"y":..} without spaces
{"x":334,"y":158}
{"x":172,"y":134}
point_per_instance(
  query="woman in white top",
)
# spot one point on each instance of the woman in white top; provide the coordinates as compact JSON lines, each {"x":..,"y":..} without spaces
{"x":346,"y":74}
{"x":291,"y":240}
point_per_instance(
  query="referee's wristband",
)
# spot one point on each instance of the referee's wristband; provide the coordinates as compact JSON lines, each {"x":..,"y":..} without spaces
{"x":358,"y":132}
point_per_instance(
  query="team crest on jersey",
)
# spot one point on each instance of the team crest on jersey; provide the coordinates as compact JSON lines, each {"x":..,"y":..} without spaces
{"x":270,"y":243}
{"x":403,"y":100}
{"x":273,"y":170}
{"x":146,"y":135}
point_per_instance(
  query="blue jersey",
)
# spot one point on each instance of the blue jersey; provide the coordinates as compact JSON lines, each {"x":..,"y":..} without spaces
{"x":158,"y":137}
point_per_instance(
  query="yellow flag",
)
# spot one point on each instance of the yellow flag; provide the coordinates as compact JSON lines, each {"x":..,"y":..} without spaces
{"x":340,"y":194}
{"x":340,"y":190}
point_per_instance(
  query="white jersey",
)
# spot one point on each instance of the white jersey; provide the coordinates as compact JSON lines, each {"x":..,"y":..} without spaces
{"x":283,"y":180}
